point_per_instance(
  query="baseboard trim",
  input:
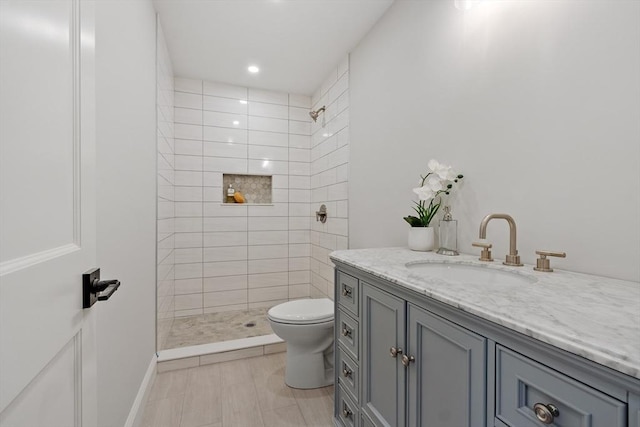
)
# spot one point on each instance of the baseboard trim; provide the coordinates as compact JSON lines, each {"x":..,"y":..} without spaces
{"x":137,"y":409}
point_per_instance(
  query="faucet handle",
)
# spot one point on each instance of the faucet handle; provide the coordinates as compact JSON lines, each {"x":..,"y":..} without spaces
{"x":485,"y":255}
{"x":485,"y":245}
{"x":543,"y":264}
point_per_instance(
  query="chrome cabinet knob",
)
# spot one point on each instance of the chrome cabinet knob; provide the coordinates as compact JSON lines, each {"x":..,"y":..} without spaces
{"x":407,"y":360}
{"x":395,"y":351}
{"x":346,"y":291}
{"x":346,"y":332}
{"x":545,"y":413}
{"x":346,"y":412}
{"x":347,"y":372}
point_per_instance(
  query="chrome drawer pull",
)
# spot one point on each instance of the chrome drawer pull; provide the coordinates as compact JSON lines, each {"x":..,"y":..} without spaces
{"x":346,"y":291}
{"x":546,"y":413}
{"x":395,"y":351}
{"x":346,"y":332}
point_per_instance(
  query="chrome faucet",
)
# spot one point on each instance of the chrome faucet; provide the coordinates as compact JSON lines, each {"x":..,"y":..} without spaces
{"x":513,"y":258}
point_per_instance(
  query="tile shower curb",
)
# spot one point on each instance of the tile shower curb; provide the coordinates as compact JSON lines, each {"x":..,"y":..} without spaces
{"x":205,"y":354}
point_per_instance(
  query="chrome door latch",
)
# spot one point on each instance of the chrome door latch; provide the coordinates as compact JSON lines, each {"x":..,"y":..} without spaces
{"x":94,"y":289}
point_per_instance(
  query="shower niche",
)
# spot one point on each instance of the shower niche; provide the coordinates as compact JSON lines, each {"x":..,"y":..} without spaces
{"x":246,"y":189}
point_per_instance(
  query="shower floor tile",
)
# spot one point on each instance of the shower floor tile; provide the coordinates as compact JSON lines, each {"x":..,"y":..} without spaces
{"x":217,"y":327}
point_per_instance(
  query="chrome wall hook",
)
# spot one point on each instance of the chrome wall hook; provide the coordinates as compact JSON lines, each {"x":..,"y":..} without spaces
{"x":321,"y":215}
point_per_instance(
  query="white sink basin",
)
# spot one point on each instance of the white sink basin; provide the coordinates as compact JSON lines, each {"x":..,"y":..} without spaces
{"x":469,"y":274}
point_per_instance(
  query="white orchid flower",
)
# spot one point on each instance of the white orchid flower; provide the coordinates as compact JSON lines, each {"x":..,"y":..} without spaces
{"x":433,"y":165}
{"x":443,"y":171}
{"x":424,"y":193}
{"x":451,"y":174}
{"x":431,"y":186}
{"x":434,"y":183}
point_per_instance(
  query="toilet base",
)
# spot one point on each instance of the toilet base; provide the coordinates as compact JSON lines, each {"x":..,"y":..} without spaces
{"x":307,"y":371}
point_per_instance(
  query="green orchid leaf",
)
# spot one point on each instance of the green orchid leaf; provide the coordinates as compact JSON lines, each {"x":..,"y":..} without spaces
{"x":413,"y":221}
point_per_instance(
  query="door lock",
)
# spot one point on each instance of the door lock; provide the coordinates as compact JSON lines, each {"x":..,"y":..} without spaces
{"x":94,"y":289}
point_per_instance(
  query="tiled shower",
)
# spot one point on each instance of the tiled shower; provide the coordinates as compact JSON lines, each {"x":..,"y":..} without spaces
{"x":222,"y":263}
{"x":329,"y":176}
{"x":232,"y":256}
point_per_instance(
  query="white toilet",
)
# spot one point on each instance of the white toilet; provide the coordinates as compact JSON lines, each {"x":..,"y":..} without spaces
{"x":307,"y":327}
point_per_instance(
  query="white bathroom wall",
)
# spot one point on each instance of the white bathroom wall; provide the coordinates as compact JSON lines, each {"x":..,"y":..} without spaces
{"x":239,"y":256}
{"x":126,"y":201}
{"x":329,"y":176}
{"x":537,"y":103}
{"x":166,"y":189}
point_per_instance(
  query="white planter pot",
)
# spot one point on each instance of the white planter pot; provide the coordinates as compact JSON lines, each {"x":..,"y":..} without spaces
{"x":421,"y":239}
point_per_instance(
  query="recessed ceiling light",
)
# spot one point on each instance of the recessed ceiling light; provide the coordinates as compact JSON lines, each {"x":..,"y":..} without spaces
{"x":236,"y":122}
{"x":243,"y":101}
{"x":253,"y":69}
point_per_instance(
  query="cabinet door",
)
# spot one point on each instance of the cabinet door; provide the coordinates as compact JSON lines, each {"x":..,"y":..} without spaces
{"x":447,"y":380}
{"x":383,"y":376}
{"x":634,"y":410}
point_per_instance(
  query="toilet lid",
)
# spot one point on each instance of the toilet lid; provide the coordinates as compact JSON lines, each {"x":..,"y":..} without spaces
{"x":303,"y":311}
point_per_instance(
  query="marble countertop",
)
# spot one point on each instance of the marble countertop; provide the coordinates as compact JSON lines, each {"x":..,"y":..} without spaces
{"x":595,"y":317}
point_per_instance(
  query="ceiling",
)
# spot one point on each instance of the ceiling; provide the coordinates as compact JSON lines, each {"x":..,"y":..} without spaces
{"x":295,"y":43}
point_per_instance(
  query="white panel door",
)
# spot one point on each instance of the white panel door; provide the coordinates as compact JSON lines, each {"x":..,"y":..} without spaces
{"x":47,"y":213}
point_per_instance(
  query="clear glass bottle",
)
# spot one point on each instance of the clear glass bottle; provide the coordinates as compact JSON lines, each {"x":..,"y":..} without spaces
{"x":230,"y":193}
{"x":448,"y":234}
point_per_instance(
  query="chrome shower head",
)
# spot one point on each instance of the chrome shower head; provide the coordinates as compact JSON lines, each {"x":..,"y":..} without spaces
{"x":314,"y":114}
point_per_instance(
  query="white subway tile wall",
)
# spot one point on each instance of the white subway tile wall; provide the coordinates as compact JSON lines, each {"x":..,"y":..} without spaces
{"x":329,"y":178}
{"x":167,"y":287}
{"x":234,"y":257}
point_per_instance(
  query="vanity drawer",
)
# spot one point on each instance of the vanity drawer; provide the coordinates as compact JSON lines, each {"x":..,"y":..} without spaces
{"x":348,"y":374}
{"x":347,"y":292}
{"x":348,"y":412}
{"x":521,"y":383}
{"x":365,"y":421}
{"x":348,"y":333}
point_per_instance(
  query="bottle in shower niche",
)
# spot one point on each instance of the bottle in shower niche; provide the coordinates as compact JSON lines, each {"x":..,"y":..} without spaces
{"x":230,"y":193}
{"x":448,"y":234}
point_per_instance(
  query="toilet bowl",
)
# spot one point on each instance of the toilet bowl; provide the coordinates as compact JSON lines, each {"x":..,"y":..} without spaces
{"x":307,"y":327}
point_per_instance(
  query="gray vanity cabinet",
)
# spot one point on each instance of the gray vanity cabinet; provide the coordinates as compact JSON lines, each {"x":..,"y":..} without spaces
{"x":347,"y":354}
{"x":406,"y":360}
{"x":443,"y":364}
{"x":383,"y":375}
{"x":447,"y":380}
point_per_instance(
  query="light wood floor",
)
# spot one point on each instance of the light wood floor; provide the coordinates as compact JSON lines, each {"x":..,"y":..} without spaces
{"x":241,"y":393}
